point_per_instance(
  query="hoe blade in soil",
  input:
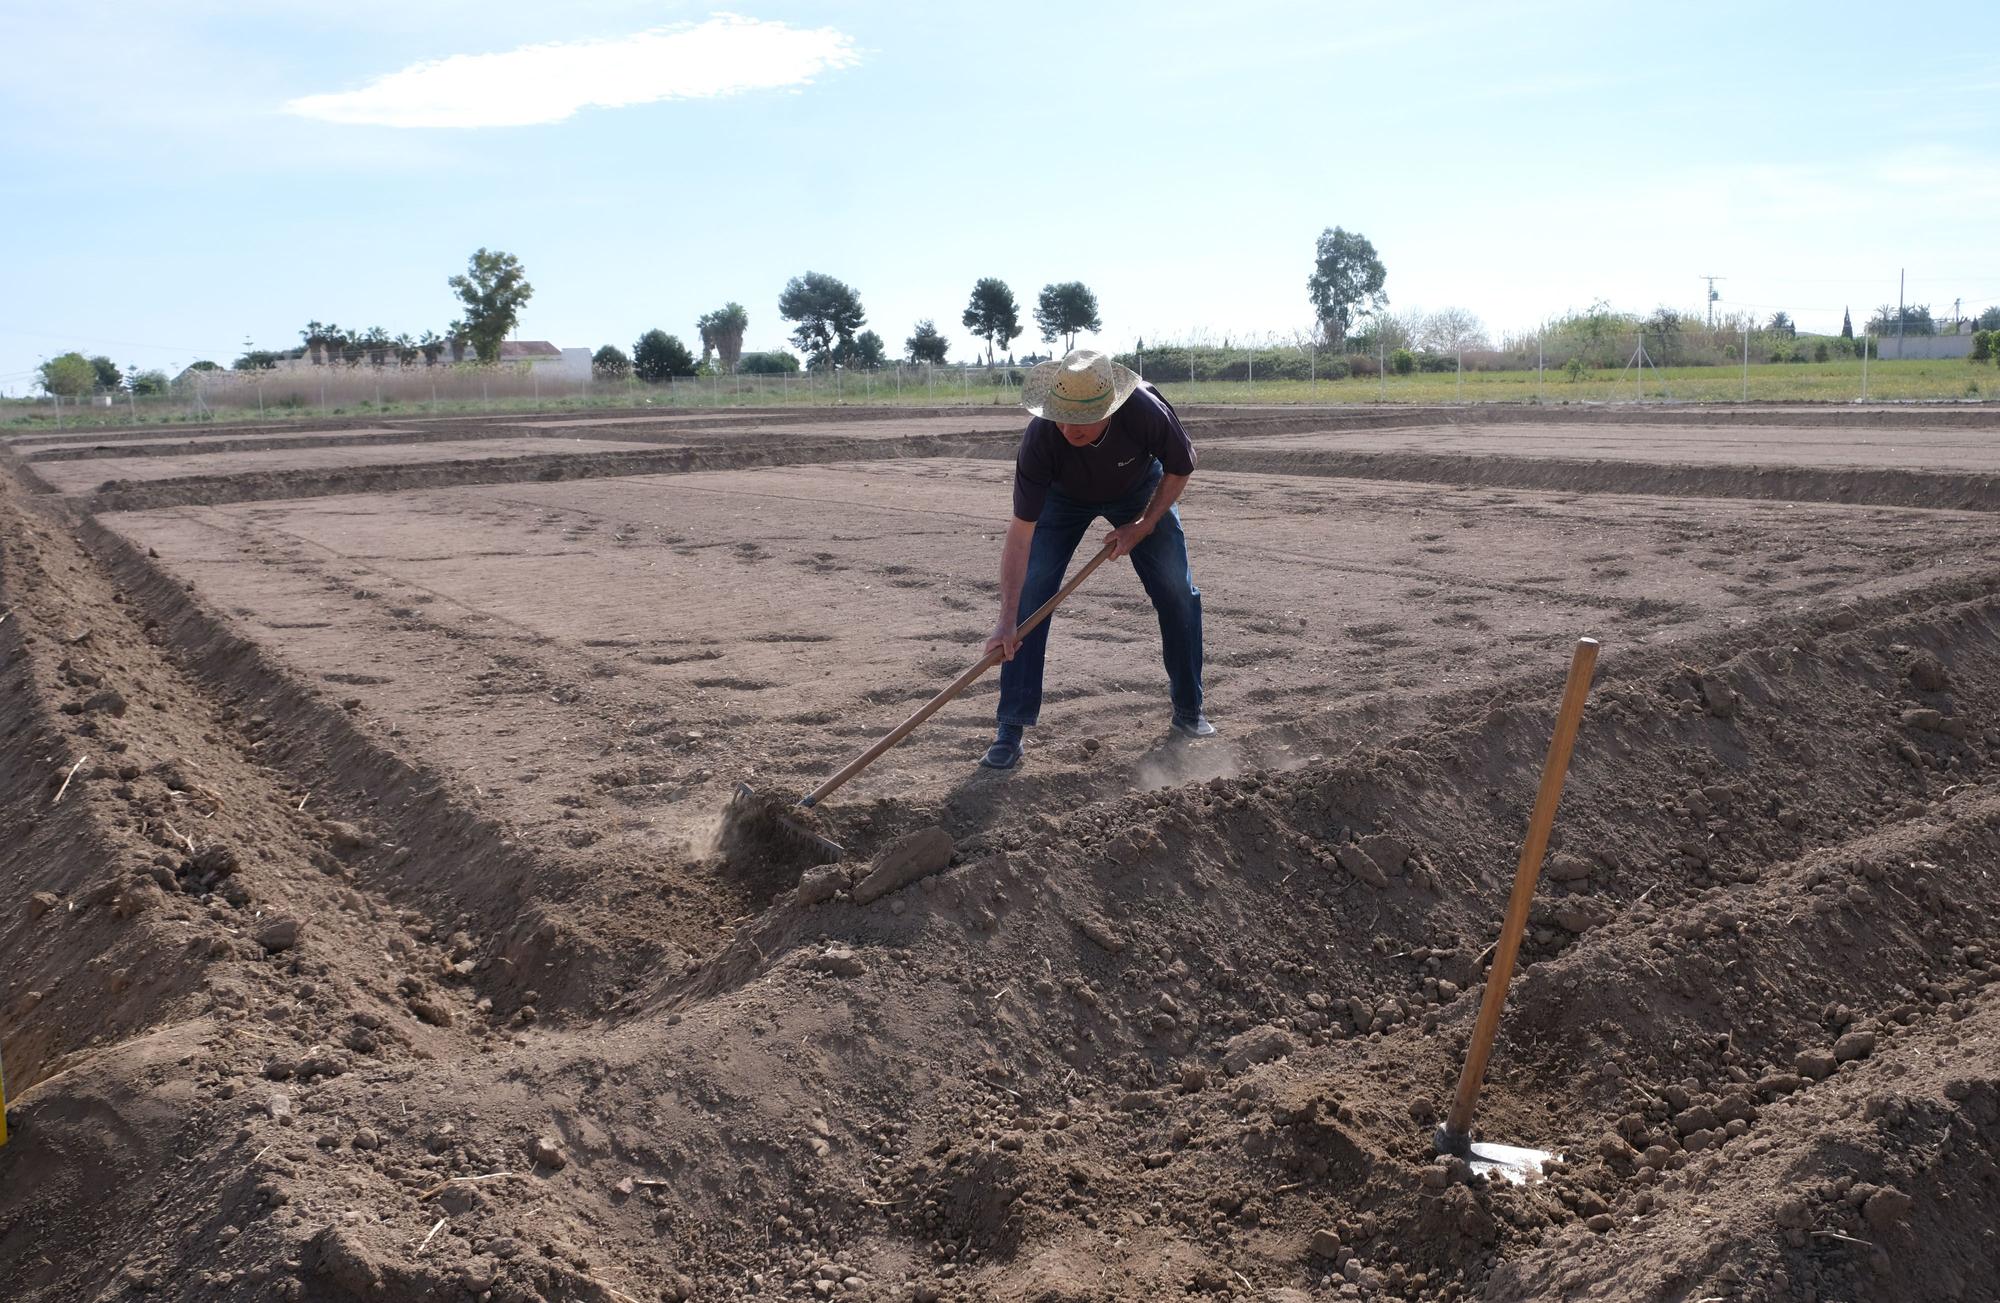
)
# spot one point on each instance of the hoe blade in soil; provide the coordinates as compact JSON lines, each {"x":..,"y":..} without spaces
{"x":758,"y":827}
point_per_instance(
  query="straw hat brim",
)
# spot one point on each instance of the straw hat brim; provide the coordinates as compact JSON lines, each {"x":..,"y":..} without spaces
{"x":1039,"y":397}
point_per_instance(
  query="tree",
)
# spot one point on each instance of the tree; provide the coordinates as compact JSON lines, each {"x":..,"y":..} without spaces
{"x":1447,"y":330}
{"x":992,"y":315}
{"x":773,"y":363}
{"x":341,"y":346}
{"x":610,"y":363}
{"x":1846,"y":324}
{"x":314,"y":337}
{"x":1065,"y":309}
{"x":493,"y":289}
{"x":1346,"y":284}
{"x":827,"y":311}
{"x":658,"y":355}
{"x":147,"y":384}
{"x":865,"y":353}
{"x":1916,"y":320}
{"x":1989,"y":319}
{"x":1402,"y":361}
{"x":68,"y":375}
{"x":109,"y":377}
{"x":1982,"y":346}
{"x":926,"y":345}
{"x":722,"y":333}
{"x":1781,"y":324}
{"x":375,"y":342}
{"x":431,"y":345}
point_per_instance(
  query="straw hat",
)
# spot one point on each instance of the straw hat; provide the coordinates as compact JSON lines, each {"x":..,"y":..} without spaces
{"x":1081,"y":389}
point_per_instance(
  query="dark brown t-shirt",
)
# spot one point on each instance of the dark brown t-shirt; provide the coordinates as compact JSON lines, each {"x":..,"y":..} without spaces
{"x":1143,"y":429}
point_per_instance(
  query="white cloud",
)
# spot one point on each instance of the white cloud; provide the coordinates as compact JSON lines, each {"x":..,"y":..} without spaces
{"x":538,"y":84}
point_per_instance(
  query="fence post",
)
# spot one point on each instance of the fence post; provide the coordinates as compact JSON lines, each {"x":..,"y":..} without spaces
{"x":1381,"y":365}
{"x":1746,"y":364}
{"x":1866,"y":348}
{"x":1538,"y":368}
{"x":1459,"y":352}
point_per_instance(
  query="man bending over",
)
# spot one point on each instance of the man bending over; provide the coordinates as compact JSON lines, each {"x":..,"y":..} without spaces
{"x":1103,"y":443}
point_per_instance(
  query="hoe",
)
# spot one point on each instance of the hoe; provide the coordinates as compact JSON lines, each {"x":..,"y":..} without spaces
{"x":767,"y":824}
{"x":1454,"y":1134}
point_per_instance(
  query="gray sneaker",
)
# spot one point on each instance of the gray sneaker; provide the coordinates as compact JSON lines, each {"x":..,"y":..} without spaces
{"x":1195,"y":727}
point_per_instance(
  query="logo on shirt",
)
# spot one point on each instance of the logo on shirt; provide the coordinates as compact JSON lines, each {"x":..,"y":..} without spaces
{"x":1128,"y":461}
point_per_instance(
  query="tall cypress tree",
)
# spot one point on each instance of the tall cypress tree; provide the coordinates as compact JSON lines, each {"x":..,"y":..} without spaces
{"x":1846,"y":325}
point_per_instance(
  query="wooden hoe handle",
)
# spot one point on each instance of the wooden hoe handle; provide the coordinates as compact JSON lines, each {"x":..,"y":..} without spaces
{"x":1458,"y":1126}
{"x":957,"y":685}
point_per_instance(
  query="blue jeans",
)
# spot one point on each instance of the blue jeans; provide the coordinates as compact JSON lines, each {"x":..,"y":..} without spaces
{"x":1162,"y":563}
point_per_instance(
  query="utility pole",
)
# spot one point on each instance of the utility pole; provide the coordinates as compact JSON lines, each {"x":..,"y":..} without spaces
{"x":1712,"y":296}
{"x":1954,"y":314}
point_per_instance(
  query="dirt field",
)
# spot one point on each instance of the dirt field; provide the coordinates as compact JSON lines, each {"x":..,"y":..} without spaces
{"x":1934,"y":448}
{"x":85,"y":474}
{"x":379,"y":945}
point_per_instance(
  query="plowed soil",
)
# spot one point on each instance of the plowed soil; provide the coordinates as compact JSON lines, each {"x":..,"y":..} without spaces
{"x":368,"y":938}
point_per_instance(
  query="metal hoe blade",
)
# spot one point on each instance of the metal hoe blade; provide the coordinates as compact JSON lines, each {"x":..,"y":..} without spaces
{"x":770,"y":823}
{"x":1517,"y":1166}
{"x":1511,"y":1163}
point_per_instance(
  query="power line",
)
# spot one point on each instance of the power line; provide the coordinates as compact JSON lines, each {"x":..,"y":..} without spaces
{"x":96,"y":342}
{"x":1712,"y":296}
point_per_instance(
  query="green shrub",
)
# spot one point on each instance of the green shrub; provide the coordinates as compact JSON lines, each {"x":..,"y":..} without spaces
{"x":1574,"y":369}
{"x":773,"y":363}
{"x":1821,"y":352}
{"x":1402,"y":361}
{"x":1982,"y":346}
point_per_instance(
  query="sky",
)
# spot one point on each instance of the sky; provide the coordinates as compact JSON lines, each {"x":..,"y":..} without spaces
{"x":178,"y":178}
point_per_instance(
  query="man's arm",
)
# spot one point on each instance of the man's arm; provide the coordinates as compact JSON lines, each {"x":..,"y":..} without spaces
{"x":1013,"y":574}
{"x":1127,"y":537}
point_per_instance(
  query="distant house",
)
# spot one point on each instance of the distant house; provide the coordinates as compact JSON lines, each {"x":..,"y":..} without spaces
{"x":569,"y":363}
{"x":521,"y":354}
{"x":1889,"y":347}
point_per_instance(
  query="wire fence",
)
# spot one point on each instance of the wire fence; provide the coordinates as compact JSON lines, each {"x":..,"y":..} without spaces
{"x":1633,"y":368}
